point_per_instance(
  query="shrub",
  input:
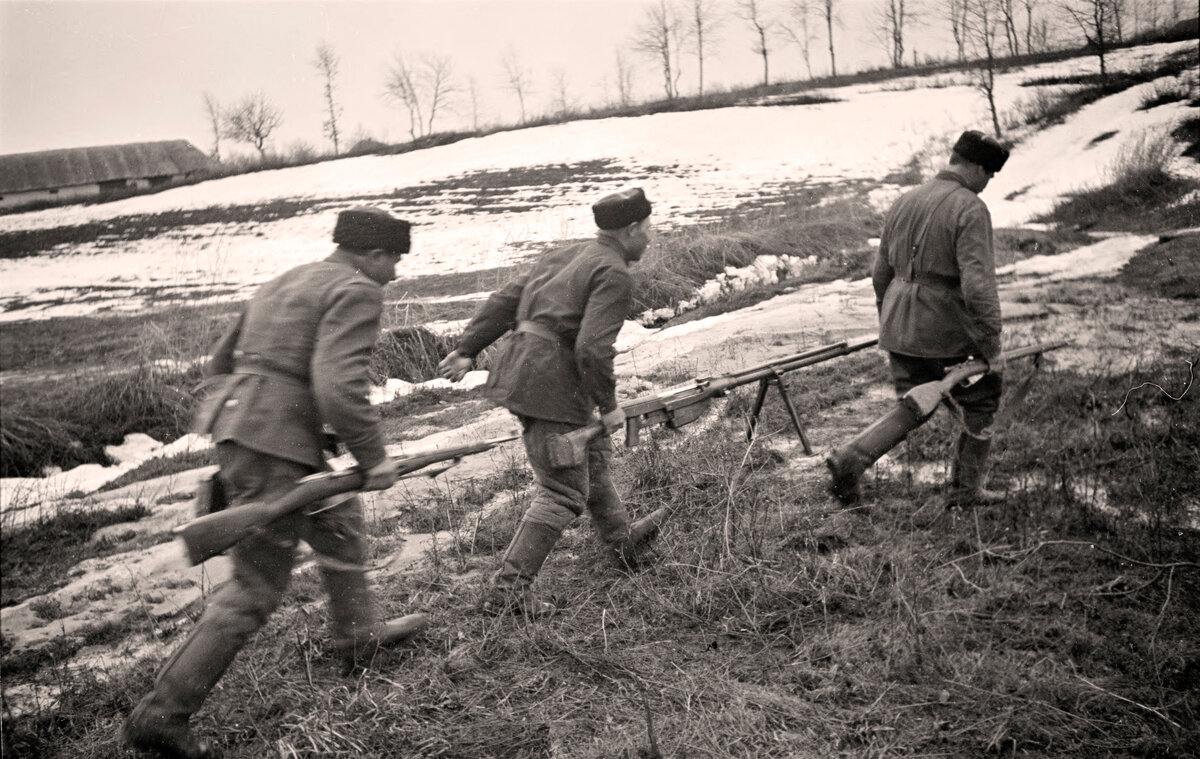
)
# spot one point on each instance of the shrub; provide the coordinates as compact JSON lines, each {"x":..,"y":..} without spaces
{"x":1163,"y":92}
{"x":72,"y":421}
{"x":408,"y":353}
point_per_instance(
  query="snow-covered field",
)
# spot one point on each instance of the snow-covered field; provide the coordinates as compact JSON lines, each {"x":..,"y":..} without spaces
{"x":477,"y":216}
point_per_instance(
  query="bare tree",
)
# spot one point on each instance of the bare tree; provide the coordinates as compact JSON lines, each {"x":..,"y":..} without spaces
{"x":830,"y":14}
{"x":1008,"y":13}
{"x":1097,"y":20}
{"x":401,"y":86}
{"x":424,"y":90}
{"x":473,"y":94}
{"x":702,"y":26}
{"x":799,"y":29}
{"x":326,"y":64}
{"x":659,"y":37}
{"x":437,"y":79}
{"x":1028,"y":5}
{"x":624,"y":79}
{"x":983,"y":19}
{"x":252,"y":120}
{"x":213,"y":110}
{"x":753,"y":13}
{"x":892,"y":18}
{"x":958,"y":26}
{"x":516,"y":79}
{"x":562,"y":101}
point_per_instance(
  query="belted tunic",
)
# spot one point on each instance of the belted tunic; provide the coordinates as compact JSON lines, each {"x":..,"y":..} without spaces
{"x":296,"y":359}
{"x":566,"y":313}
{"x":935,"y":274}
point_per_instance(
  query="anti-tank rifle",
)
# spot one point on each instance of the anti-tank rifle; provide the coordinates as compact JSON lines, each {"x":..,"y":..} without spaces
{"x":682,"y":404}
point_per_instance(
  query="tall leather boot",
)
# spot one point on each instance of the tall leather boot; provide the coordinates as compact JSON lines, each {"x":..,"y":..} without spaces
{"x":159,"y":723}
{"x":357,"y":634}
{"x":610,"y":519}
{"x":848,"y":463}
{"x":634,"y":552}
{"x":510,"y":591}
{"x":966,"y":483}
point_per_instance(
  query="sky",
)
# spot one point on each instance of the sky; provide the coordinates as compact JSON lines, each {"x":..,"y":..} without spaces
{"x":79,"y":73}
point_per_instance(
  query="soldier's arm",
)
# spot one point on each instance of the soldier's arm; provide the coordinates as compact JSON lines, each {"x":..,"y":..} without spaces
{"x":221,"y":361}
{"x":497,"y":316}
{"x":882,"y":273}
{"x":977,"y":270}
{"x":340,"y":380}
{"x":609,"y":297}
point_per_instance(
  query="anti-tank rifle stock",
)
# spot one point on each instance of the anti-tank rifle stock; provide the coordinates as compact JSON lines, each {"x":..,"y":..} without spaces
{"x":683,"y":404}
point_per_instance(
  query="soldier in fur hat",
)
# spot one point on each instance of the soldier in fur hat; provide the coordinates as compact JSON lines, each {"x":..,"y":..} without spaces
{"x":935,"y":289}
{"x":556,"y":373}
{"x":296,"y":359}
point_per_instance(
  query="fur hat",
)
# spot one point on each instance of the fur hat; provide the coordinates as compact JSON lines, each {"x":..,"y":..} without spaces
{"x":364,"y":228}
{"x":980,"y":149}
{"x":621,"y":209}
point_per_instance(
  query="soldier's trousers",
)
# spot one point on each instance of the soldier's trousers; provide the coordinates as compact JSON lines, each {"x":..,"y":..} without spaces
{"x":262,"y":565}
{"x":563,"y":494}
{"x":979,"y":400}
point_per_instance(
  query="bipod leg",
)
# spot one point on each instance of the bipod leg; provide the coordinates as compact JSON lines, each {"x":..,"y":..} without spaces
{"x":758,"y":404}
{"x":787,"y":402}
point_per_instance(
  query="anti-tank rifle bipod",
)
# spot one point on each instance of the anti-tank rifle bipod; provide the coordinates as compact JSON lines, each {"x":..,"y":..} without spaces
{"x":683,"y":404}
{"x":213,"y":533}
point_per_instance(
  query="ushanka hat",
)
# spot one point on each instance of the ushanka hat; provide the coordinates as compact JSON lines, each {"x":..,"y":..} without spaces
{"x":980,"y":149}
{"x":364,"y":228}
{"x":621,"y":209}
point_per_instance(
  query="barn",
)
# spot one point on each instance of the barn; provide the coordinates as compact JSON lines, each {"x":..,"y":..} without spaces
{"x":74,"y":174}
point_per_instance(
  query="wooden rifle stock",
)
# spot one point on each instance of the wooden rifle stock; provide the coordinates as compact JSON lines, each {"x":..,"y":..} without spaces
{"x":847,"y":464}
{"x":684,"y":404}
{"x":214,"y":533}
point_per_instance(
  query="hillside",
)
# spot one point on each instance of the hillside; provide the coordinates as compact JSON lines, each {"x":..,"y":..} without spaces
{"x":773,"y":622}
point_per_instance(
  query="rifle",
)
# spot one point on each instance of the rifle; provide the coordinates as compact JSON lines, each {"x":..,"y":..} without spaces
{"x":212,"y":534}
{"x":685,"y":403}
{"x":848,"y":463}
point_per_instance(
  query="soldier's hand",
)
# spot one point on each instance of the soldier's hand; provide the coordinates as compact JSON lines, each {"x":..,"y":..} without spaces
{"x":996,"y":364}
{"x":381,"y":476}
{"x":454,"y":366}
{"x":613,"y":420}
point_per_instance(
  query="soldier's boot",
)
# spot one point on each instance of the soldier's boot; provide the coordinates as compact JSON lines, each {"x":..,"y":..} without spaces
{"x":510,"y":591}
{"x":357,"y":634}
{"x":610,"y":519}
{"x":159,"y":723}
{"x":966,"y":481}
{"x":635,"y":551}
{"x":848,"y":463}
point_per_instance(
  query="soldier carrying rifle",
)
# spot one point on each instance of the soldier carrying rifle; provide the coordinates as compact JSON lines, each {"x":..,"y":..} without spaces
{"x":297,"y":358}
{"x":935,"y":289}
{"x":555,"y":373}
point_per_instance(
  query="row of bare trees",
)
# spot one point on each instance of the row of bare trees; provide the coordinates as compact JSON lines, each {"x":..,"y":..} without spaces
{"x":671,"y":32}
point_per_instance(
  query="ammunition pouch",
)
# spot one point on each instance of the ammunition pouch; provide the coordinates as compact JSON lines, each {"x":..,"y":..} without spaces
{"x":210,"y":496}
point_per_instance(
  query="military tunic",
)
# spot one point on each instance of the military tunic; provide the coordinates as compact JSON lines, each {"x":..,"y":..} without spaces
{"x":934,"y":274}
{"x":298,"y":358}
{"x":579,"y":295}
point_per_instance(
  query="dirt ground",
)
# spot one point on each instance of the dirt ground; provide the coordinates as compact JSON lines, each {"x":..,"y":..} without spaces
{"x":1069,"y":298}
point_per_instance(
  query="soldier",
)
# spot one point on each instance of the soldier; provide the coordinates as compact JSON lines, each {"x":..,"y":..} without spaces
{"x":297,"y":358}
{"x":935,"y":289}
{"x":555,"y":373}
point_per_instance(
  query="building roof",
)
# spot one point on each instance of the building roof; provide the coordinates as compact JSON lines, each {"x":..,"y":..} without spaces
{"x":21,"y":172}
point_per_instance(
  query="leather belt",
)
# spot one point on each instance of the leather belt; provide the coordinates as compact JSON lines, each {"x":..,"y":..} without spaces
{"x":253,"y":363}
{"x":937,"y":280}
{"x":545,"y":333}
